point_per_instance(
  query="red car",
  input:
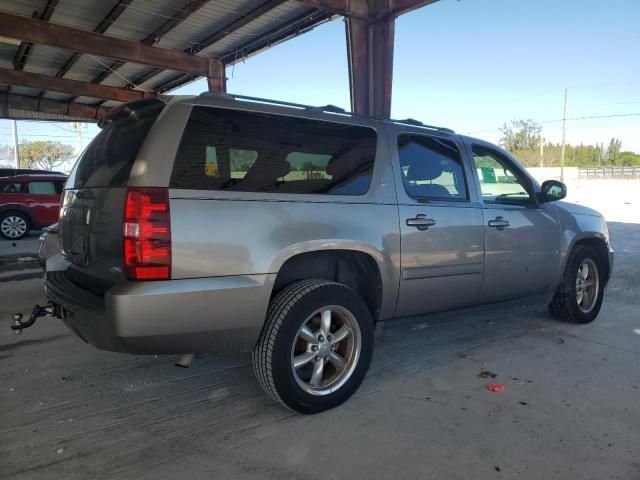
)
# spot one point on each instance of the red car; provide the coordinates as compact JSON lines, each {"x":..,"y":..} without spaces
{"x":29,"y":202}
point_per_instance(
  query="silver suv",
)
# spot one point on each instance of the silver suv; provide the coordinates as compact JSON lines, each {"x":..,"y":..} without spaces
{"x":221,"y":222}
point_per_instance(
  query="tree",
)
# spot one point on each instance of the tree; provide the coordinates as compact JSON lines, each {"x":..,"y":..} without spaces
{"x":520,"y":135}
{"x":628,"y":159}
{"x":7,"y":157}
{"x":44,"y":154}
{"x":241,"y":160}
{"x":615,"y":145}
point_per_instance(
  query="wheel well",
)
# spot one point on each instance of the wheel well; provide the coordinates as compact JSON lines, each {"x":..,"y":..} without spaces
{"x":356,"y":270}
{"x":20,"y":211}
{"x":600,"y":247}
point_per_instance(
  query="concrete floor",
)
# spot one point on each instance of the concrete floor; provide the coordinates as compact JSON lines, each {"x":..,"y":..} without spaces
{"x":571,"y":407}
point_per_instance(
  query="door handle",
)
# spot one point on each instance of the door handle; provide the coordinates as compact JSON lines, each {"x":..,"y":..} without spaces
{"x":421,"y":222}
{"x":499,"y":222}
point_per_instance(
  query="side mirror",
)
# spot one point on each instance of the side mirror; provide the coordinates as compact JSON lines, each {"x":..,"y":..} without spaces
{"x":552,"y":190}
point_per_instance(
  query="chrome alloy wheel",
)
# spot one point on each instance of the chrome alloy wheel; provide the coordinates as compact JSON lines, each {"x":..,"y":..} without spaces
{"x":326,"y":349}
{"x":13,"y":226}
{"x":587,"y":285}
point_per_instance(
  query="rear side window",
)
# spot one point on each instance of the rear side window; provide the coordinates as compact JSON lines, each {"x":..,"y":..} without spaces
{"x":42,"y":188}
{"x":10,"y":187}
{"x":108,"y":159}
{"x":431,"y":168}
{"x":225,"y":149}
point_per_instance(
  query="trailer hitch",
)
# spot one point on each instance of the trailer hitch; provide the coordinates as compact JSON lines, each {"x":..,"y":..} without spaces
{"x":38,"y":311}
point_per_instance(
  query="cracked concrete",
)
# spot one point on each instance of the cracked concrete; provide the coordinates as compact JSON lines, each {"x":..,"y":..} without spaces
{"x":571,"y":407}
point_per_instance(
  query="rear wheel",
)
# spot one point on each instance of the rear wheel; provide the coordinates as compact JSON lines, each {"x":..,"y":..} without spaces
{"x":14,"y":225}
{"x":579,"y":297}
{"x":316,"y":346}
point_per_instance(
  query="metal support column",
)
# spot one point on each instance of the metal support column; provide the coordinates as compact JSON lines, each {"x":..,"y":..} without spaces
{"x":370,"y":56}
{"x":216,"y":79}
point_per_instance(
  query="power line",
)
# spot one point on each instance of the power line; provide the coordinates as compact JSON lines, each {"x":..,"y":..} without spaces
{"x":586,"y":117}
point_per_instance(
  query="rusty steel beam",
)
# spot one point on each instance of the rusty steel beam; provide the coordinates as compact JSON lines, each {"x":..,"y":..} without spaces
{"x":10,"y":101}
{"x":345,"y":8}
{"x":155,"y":36}
{"x":238,"y":23}
{"x":72,"y":87}
{"x":370,"y":57}
{"x":25,"y":48}
{"x":370,"y":51}
{"x":296,"y":26}
{"x":102,"y":27}
{"x":369,"y":10}
{"x":179,"y":17}
{"x":39,"y":32}
{"x":398,"y":7}
{"x":210,"y":40}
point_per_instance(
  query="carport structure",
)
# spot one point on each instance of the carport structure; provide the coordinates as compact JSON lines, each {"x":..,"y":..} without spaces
{"x":76,"y":59}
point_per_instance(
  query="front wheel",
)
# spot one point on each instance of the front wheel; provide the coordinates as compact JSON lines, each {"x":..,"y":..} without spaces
{"x":579,"y":297}
{"x":316,"y":346}
{"x":14,"y":225}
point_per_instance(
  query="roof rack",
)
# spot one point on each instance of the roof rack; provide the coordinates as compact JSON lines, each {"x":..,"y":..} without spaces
{"x":266,"y":101}
{"x":325,"y":109}
{"x":417,"y":123}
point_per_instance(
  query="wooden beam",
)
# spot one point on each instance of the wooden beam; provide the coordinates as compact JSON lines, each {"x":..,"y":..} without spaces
{"x":10,"y":101}
{"x":39,"y":32}
{"x":102,"y":27}
{"x":25,"y":48}
{"x":72,"y":87}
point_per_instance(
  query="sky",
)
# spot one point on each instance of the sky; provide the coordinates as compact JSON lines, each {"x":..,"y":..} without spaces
{"x":470,"y":65}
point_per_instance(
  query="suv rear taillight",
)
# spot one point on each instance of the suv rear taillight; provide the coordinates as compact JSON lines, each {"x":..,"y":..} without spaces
{"x":147,"y":234}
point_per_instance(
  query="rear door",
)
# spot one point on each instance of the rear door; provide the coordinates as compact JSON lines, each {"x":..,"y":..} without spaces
{"x":95,"y":192}
{"x":42,"y":198}
{"x":442,"y":238}
{"x":522,"y":238}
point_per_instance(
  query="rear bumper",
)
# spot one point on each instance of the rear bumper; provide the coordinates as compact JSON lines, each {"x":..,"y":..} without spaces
{"x":218,"y":314}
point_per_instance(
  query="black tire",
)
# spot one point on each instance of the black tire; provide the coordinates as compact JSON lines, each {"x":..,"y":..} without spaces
{"x":564,"y":305}
{"x":7,"y":215}
{"x":273,"y":355}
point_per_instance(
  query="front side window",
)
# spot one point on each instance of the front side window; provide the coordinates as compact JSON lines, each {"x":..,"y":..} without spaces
{"x":431,"y":168}
{"x":225,"y":149}
{"x":42,"y":188}
{"x":499,"y":183}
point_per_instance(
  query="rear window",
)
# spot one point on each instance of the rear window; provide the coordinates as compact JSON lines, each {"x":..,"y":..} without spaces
{"x":225,"y":149}
{"x":108,"y":159}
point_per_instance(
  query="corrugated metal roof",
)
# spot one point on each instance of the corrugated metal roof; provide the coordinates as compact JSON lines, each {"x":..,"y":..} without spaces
{"x":138,"y":21}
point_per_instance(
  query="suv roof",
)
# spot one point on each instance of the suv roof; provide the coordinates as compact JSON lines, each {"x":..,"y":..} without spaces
{"x":39,"y":177}
{"x":325,"y":110}
{"x":10,"y":172}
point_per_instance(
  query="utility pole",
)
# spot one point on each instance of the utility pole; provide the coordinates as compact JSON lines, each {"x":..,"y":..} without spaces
{"x":541,"y":151}
{"x":564,"y":129}
{"x":78,"y":127}
{"x":15,"y":144}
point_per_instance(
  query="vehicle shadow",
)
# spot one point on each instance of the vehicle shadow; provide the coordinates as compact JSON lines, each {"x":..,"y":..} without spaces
{"x":92,"y":413}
